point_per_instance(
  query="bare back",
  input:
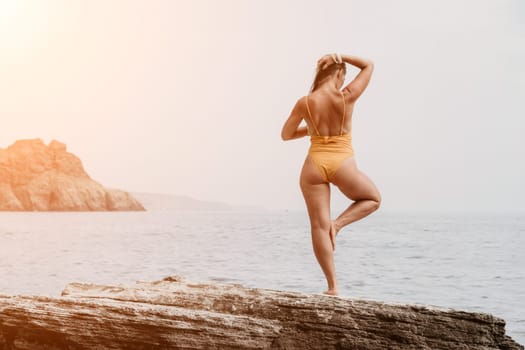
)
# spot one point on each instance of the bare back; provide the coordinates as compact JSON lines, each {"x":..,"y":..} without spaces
{"x":327,"y":108}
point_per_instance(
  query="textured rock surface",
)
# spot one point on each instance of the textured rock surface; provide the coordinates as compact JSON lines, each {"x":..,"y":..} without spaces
{"x":34,"y":176}
{"x":179,"y":314}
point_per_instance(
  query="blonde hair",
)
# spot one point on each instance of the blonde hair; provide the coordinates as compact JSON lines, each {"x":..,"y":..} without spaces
{"x":323,"y":74}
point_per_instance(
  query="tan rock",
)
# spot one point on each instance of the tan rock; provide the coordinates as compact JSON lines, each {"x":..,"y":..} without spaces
{"x":8,"y":199}
{"x":34,"y":176}
{"x":178,"y":314}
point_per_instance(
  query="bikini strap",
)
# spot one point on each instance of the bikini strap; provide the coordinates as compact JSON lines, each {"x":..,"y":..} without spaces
{"x":344,"y":112}
{"x":311,"y":119}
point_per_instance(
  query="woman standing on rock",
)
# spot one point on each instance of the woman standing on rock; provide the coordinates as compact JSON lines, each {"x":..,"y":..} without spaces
{"x":327,"y":111}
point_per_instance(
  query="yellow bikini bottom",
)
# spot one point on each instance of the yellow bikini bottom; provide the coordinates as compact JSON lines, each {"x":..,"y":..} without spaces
{"x":329,"y":152}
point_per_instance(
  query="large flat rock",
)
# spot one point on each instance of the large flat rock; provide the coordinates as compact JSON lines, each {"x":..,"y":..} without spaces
{"x":178,"y":314}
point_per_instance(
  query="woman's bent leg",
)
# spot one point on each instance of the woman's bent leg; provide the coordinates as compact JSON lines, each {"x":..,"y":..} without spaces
{"x":316,"y":194}
{"x":355,"y":185}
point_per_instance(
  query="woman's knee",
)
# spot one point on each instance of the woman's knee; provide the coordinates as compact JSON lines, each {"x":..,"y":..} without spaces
{"x":376,"y":199}
{"x":320,"y":225}
{"x":376,"y":205}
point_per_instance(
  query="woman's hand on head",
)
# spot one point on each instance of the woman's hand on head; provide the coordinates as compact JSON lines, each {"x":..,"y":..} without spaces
{"x":324,"y":62}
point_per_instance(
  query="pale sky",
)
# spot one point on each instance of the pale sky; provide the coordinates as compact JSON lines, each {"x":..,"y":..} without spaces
{"x":189,"y":97}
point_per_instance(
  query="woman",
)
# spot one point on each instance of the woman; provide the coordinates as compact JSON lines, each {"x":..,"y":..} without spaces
{"x":327,"y":111}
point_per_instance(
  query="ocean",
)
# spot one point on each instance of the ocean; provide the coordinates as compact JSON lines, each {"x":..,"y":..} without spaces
{"x":468,"y":261}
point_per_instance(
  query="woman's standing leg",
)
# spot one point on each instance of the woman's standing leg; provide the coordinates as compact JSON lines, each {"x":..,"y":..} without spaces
{"x":316,"y":194}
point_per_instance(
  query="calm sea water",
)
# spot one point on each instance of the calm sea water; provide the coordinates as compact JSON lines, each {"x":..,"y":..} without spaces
{"x":468,"y":261}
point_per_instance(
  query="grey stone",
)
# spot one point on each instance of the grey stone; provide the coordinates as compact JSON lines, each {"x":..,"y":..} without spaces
{"x":178,"y":314}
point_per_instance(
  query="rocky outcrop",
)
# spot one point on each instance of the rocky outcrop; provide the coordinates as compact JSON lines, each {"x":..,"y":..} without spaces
{"x":179,"y":314}
{"x":34,"y":176}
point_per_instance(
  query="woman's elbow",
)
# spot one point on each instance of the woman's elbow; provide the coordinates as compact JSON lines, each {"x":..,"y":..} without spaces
{"x":285,"y":136}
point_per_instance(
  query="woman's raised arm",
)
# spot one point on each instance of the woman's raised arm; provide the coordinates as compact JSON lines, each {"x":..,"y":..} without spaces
{"x":360,"y":82}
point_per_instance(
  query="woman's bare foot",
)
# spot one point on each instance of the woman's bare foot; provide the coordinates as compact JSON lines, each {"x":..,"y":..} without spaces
{"x":331,"y":292}
{"x":333,"y":233}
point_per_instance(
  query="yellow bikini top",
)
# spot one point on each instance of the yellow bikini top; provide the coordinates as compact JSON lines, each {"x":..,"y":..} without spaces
{"x":342,"y":121}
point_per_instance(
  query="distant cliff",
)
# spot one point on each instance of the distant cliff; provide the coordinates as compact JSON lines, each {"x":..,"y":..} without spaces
{"x":158,"y":201}
{"x":36,"y":177}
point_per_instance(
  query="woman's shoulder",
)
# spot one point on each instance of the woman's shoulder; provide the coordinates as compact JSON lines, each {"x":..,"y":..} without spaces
{"x":301,"y":101}
{"x":319,"y":97}
{"x":325,"y":95}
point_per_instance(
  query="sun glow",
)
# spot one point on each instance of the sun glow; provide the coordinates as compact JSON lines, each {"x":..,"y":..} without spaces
{"x":22,"y":23}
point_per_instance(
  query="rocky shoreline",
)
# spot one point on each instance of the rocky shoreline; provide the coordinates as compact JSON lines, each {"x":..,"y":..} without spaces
{"x":178,"y":314}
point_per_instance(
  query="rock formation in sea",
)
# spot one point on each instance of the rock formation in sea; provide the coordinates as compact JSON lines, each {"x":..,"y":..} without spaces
{"x":39,"y":177}
{"x":178,"y":314}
